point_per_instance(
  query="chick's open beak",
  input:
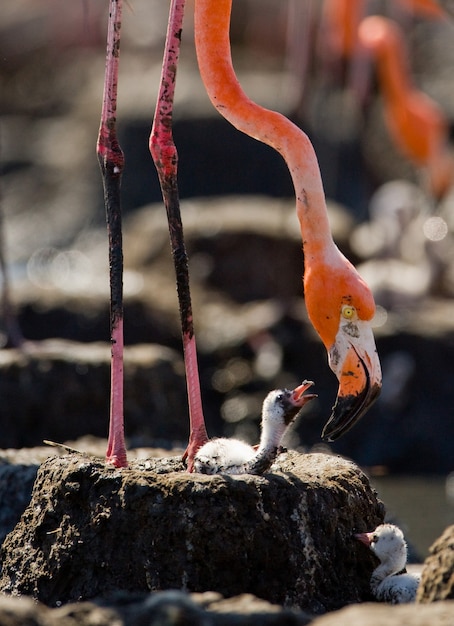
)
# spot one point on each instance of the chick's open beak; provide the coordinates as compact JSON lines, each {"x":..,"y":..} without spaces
{"x":298,"y":398}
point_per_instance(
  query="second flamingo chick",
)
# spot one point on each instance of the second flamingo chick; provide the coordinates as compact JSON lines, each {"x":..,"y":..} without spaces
{"x":390,"y":581}
{"x":232,"y":456}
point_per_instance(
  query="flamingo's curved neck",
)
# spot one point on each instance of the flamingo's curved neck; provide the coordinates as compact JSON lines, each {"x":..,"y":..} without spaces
{"x":389,"y":566}
{"x":271,"y":436}
{"x":266,"y":452}
{"x":212,"y":24}
{"x":270,"y":439}
{"x":380,"y":573}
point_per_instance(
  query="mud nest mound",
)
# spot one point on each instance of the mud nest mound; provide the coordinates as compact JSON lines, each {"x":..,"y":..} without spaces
{"x":286,"y":536}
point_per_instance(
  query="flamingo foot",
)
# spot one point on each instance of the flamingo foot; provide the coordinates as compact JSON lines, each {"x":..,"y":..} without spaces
{"x":196,"y":440}
{"x":116,"y":453}
{"x":117,"y":460}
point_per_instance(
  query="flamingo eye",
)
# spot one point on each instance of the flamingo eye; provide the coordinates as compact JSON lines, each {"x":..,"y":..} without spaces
{"x":348,"y":312}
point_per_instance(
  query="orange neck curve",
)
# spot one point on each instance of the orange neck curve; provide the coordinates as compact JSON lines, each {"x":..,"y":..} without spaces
{"x":212,"y":25}
{"x":329,"y":279}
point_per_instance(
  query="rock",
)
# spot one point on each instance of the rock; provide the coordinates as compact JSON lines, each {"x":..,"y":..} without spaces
{"x":285,"y":537}
{"x":16,"y":482}
{"x":25,"y":611}
{"x":439,"y":614}
{"x":60,"y":390}
{"x":18,"y":611}
{"x":175,"y":608}
{"x":437,"y":580}
{"x":168,"y":608}
{"x":18,"y":470}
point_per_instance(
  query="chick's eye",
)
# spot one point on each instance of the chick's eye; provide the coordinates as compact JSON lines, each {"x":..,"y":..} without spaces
{"x":374,"y":539}
{"x":348,"y":312}
{"x":280,"y":397}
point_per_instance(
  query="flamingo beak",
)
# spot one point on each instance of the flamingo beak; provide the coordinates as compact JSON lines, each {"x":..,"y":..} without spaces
{"x":354,"y":360}
{"x":365,"y":538}
{"x":298,"y":398}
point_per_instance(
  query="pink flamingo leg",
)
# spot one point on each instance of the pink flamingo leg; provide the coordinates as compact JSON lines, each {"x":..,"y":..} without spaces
{"x":165,"y":157}
{"x":198,"y":434}
{"x":111,"y":160}
{"x":116,"y":448}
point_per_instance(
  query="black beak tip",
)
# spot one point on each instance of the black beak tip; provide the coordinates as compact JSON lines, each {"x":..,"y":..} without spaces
{"x":347,"y":411}
{"x":345,"y":414}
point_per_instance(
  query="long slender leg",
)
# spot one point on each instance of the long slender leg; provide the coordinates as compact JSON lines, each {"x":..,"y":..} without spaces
{"x":165,"y":157}
{"x":111,"y":160}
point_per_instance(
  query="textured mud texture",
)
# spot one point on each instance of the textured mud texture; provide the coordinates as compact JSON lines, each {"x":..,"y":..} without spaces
{"x":437,"y":580}
{"x":285,"y":537}
{"x":438,"y":614}
{"x":167,"y":608}
{"x":176,"y":608}
{"x":16,"y":483}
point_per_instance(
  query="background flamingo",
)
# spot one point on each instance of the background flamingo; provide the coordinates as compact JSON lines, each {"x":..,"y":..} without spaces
{"x":416,"y":122}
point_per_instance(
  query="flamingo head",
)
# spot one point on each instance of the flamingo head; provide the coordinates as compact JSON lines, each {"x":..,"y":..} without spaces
{"x":387,"y":542}
{"x":281,"y":406}
{"x":341,"y":306}
{"x":280,"y":409}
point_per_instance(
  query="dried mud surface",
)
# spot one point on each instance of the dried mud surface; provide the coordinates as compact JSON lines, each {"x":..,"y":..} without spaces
{"x":285,"y":537}
{"x":437,"y":581}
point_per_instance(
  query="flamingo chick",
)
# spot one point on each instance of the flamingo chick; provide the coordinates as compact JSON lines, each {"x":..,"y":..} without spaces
{"x":232,"y":456}
{"x":390,"y":582}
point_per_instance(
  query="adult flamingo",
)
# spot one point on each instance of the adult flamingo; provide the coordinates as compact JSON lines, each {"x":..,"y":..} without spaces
{"x":415,"y":121}
{"x":339,"y":303}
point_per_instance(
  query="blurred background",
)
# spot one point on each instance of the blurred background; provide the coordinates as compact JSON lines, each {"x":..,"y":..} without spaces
{"x":380,"y":115}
